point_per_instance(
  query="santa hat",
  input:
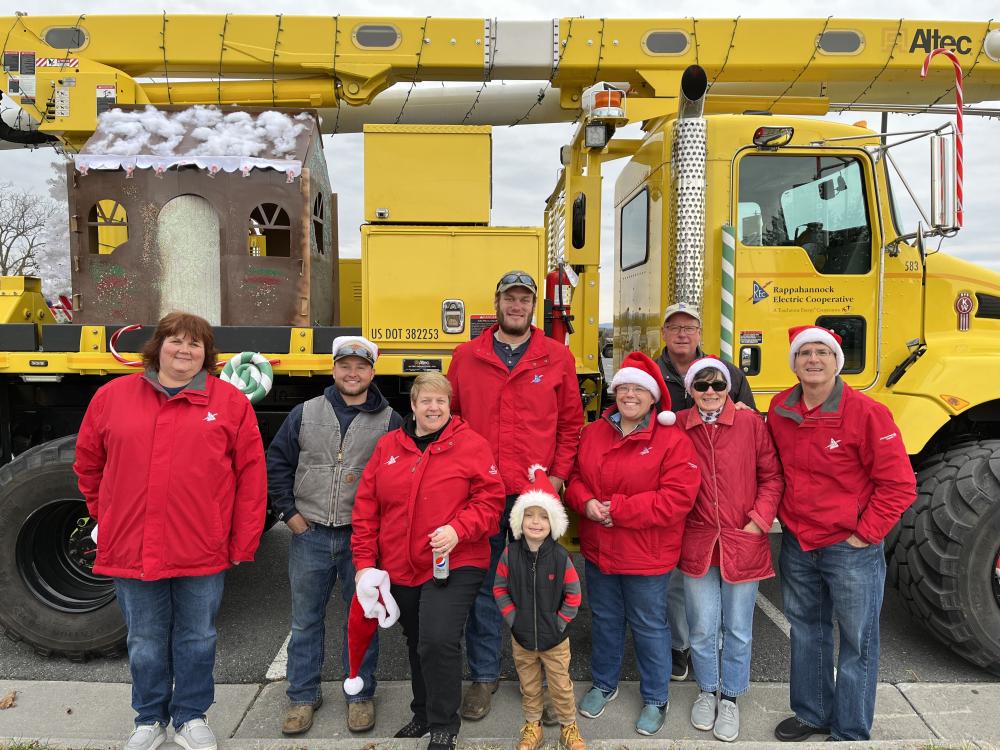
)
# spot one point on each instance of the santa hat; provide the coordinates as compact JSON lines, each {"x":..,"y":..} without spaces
{"x":539,"y":493}
{"x":707,"y":363}
{"x":372,"y":605}
{"x":638,"y":369}
{"x":801,"y":335}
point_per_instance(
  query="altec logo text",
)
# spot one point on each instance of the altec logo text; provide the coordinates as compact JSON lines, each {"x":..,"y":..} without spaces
{"x":930,"y":39}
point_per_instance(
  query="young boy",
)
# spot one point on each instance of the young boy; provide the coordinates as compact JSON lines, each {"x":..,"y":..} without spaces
{"x":538,"y":592}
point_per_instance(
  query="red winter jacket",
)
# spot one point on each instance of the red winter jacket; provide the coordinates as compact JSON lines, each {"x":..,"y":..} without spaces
{"x":651,"y":477}
{"x":532,"y":415}
{"x":846,"y":469}
{"x":404,"y":495}
{"x":177,"y":486}
{"x":740,"y":482}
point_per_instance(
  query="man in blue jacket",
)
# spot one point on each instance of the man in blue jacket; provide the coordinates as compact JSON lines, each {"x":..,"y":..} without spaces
{"x":314,"y":464}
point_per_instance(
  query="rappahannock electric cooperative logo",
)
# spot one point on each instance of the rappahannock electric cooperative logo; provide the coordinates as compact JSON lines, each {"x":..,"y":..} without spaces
{"x":760,"y":292}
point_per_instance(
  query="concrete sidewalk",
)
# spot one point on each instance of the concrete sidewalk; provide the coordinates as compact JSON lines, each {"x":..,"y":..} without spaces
{"x":98,"y":715}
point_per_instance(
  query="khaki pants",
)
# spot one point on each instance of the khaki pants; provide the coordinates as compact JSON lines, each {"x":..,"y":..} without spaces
{"x":529,"y":671}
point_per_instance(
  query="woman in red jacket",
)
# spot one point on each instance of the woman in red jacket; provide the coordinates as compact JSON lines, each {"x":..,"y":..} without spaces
{"x":634,"y":482}
{"x":726,"y":549}
{"x":429,"y":500}
{"x":171,"y":465}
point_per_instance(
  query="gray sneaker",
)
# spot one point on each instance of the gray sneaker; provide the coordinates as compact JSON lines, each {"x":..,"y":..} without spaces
{"x":703,"y":712}
{"x":195,"y":735}
{"x":146,"y":737}
{"x":727,"y":724}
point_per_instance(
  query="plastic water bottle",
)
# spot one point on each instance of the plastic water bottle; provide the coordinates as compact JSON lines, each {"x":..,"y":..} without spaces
{"x":441,"y":570}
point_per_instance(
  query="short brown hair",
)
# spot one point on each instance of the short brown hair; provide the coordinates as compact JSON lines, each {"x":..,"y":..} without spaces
{"x":174,"y":323}
{"x":430,"y":381}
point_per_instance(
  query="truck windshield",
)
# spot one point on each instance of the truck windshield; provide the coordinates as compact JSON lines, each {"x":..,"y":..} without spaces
{"x":814,"y":202}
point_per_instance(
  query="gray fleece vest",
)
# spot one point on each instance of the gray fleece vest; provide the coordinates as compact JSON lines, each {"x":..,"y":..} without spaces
{"x":329,"y":469}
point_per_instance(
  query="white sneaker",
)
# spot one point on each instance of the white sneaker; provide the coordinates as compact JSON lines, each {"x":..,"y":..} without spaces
{"x":196,"y":735}
{"x":146,"y":737}
{"x":703,"y":712}
{"x":727,"y":723}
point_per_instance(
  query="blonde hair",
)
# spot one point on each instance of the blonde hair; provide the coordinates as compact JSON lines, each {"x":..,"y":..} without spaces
{"x":430,"y":381}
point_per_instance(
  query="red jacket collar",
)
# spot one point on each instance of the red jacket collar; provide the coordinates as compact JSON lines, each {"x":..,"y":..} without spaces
{"x":484,"y":345}
{"x":792,"y":407}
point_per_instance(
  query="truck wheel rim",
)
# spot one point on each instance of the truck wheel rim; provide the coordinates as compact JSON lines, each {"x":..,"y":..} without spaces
{"x":55,"y":557}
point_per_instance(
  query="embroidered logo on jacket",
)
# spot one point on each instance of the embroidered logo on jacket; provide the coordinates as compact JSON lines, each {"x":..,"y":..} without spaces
{"x":833,"y":444}
{"x":493,"y":469}
{"x":645,"y":451}
{"x":391,"y":461}
{"x":537,"y":378}
{"x":890,"y":436}
{"x":211,"y":417}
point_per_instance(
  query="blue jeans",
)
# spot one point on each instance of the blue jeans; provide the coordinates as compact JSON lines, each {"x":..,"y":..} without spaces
{"x":715,"y":610}
{"x":843,"y":583}
{"x":679,"y":634}
{"x":171,"y":645}
{"x":641,"y":602}
{"x":484,"y":625}
{"x":316,"y":558}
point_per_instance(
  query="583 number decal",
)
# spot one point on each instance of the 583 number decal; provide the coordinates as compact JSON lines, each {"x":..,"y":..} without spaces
{"x":405,"y":334}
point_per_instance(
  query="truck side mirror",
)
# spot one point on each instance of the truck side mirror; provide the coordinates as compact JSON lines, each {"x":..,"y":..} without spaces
{"x":943,"y":208}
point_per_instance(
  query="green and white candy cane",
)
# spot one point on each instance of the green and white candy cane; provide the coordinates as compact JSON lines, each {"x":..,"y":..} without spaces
{"x":251,"y":373}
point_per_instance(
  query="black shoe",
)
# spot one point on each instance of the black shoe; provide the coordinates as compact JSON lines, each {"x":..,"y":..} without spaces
{"x":793,"y":730}
{"x":416,"y":729}
{"x":442,"y":740}
{"x":679,"y":669}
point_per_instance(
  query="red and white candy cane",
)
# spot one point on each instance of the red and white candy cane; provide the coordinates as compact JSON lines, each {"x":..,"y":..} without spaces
{"x":959,"y":127}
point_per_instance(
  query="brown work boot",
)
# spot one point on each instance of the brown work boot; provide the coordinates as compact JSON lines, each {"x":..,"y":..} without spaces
{"x":531,"y":736}
{"x":361,"y":715}
{"x":570,"y":739}
{"x":477,"y":699}
{"x":299,"y":717}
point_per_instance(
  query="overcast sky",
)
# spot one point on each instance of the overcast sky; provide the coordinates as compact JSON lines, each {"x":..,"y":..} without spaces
{"x":526,"y":159}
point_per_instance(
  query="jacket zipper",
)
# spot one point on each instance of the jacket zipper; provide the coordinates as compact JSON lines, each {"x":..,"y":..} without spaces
{"x":534,"y":595}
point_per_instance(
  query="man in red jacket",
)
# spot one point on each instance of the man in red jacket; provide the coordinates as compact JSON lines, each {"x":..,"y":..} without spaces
{"x":518,"y":389}
{"x":847,"y":482}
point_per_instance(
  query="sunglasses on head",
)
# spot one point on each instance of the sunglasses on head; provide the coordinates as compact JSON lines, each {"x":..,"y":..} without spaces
{"x":716,"y":385}
{"x":521,"y":279}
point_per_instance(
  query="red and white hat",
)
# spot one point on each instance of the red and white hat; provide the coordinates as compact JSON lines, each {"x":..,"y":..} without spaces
{"x":371,"y":606}
{"x":638,"y":369}
{"x":707,"y":362}
{"x":539,"y":493}
{"x":801,"y":335}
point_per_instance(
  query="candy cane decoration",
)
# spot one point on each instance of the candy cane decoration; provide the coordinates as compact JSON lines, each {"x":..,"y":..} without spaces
{"x":246,"y":358}
{"x":959,"y":127}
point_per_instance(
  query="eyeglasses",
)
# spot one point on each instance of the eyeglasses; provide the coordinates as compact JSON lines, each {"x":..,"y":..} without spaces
{"x":516,"y":278}
{"x":688,"y":330}
{"x":354,"y":350}
{"x":631,"y":389}
{"x":702,"y":386}
{"x":821,"y":353}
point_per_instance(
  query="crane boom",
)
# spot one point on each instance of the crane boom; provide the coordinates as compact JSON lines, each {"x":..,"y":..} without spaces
{"x":64,"y":70}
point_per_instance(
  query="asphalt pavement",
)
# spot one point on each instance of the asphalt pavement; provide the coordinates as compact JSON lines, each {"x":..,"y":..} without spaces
{"x":927,"y":695}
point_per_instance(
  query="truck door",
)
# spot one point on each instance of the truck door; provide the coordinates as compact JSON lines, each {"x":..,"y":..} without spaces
{"x":805,"y":254}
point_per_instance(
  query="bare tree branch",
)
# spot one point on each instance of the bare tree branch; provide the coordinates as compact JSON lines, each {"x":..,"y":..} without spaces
{"x":24,"y":218}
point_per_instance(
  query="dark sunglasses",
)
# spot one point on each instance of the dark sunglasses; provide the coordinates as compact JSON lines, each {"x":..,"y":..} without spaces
{"x":517,"y":279}
{"x":716,"y":385}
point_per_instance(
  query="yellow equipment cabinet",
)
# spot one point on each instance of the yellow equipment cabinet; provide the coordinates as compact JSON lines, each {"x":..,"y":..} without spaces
{"x":427,"y":174}
{"x":350,"y":291}
{"x":428,"y":289}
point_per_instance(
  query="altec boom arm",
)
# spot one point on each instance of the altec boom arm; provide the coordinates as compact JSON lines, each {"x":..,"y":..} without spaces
{"x":64,"y":70}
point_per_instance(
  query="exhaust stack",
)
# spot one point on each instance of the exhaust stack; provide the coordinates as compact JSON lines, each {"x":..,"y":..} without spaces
{"x":687,"y":194}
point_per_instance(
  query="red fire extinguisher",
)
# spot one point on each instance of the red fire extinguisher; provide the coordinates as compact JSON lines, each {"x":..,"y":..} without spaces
{"x":559,"y":285}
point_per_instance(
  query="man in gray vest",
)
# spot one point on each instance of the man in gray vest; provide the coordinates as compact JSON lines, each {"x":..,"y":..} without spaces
{"x":314,"y":464}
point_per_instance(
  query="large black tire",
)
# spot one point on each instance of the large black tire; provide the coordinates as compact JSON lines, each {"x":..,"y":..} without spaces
{"x":942,"y":556}
{"x":51,"y":599}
